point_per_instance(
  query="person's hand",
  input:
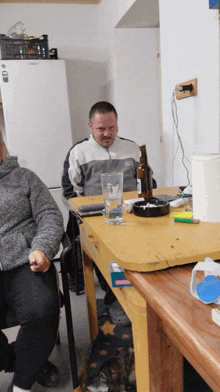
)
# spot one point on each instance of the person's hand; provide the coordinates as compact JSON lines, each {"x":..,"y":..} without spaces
{"x":39,"y":262}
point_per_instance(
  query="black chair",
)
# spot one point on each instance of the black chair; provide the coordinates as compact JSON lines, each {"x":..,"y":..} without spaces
{"x":66,"y":259}
{"x":10,"y":319}
{"x":75,"y":267}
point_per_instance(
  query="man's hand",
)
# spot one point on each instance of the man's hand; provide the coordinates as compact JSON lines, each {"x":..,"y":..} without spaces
{"x":39,"y":262}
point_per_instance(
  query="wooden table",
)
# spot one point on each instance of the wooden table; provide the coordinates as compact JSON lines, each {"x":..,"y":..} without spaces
{"x":140,"y":244}
{"x":178,"y":324}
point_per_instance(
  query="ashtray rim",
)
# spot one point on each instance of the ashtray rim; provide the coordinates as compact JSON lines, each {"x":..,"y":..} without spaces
{"x":162,"y":209}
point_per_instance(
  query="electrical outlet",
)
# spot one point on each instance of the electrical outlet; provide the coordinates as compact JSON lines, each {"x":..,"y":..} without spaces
{"x":187,"y":93}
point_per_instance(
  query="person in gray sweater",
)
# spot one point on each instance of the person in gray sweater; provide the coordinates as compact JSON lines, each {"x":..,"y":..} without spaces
{"x":31,"y":228}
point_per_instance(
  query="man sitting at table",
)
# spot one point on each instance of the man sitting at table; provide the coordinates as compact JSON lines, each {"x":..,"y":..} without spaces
{"x":104,"y":151}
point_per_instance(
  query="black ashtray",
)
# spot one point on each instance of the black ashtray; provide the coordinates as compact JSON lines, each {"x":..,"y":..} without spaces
{"x":151,"y":207}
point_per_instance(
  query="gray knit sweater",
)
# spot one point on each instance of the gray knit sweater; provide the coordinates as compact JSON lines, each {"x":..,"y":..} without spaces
{"x":29,"y":216}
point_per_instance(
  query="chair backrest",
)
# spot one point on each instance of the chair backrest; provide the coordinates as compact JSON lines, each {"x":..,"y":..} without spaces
{"x":67,"y":249}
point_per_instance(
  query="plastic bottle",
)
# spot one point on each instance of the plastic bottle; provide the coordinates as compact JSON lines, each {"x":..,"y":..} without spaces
{"x":17,"y":31}
{"x":144,"y":176}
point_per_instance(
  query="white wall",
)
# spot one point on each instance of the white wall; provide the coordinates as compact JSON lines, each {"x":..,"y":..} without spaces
{"x":73,"y":29}
{"x":189,"y":38}
{"x":85,"y":87}
{"x":141,"y":14}
{"x":132,"y":74}
{"x":109,"y":14}
{"x":108,"y":89}
{"x":86,"y":36}
{"x":137,"y":89}
{"x":79,"y":31}
{"x":83,"y":35}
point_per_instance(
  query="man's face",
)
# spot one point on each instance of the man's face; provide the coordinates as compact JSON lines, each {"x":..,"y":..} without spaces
{"x":104,"y":128}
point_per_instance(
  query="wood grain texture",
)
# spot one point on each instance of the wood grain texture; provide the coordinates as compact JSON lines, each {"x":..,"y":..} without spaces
{"x":166,"y":361}
{"x":185,"y":320}
{"x":153,"y":244}
{"x":150,"y":244}
{"x":90,"y":296}
{"x":131,"y":301}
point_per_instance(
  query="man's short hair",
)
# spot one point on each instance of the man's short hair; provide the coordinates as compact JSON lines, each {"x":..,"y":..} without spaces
{"x":101,"y":107}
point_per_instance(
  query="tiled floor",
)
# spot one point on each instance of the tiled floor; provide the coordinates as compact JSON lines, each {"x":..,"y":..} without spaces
{"x":60,"y":354}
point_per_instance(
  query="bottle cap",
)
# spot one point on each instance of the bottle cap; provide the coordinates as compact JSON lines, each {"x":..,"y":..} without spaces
{"x":209,"y":289}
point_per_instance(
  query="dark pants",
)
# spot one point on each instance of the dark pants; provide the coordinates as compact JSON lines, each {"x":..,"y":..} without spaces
{"x":33,"y":298}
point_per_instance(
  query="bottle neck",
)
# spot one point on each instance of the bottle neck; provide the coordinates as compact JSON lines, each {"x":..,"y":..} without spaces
{"x":143,"y":157}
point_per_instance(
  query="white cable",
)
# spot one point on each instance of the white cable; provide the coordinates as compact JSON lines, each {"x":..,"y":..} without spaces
{"x":179,"y":140}
{"x":175,"y":124}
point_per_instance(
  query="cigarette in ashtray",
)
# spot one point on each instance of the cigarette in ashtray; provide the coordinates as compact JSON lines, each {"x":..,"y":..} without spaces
{"x":128,"y":204}
{"x":149,"y":205}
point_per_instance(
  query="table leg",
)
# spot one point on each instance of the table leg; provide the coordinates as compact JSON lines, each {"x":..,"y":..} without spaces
{"x":140,"y":341}
{"x":78,"y":389}
{"x":158,"y":363}
{"x":90,"y":296}
{"x":166,"y":361}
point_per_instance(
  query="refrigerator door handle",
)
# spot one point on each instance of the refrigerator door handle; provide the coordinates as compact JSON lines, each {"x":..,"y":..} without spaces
{"x":5,"y":76}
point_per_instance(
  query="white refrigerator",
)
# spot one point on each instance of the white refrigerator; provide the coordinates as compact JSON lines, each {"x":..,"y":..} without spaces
{"x":35,"y":118}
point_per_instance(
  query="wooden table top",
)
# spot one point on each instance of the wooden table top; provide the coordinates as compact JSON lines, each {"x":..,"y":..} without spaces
{"x":149,"y":244}
{"x":189,"y":320}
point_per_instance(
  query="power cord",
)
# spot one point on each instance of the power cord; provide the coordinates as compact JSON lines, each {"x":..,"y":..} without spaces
{"x":186,"y":87}
{"x":175,"y":129}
